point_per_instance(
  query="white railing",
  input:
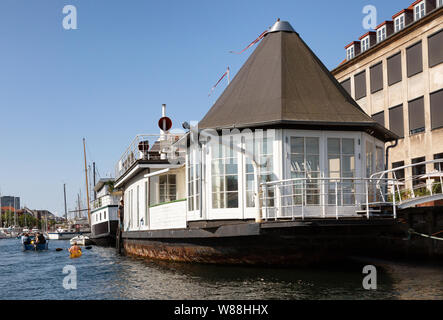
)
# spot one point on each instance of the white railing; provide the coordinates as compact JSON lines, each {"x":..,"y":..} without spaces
{"x":151,"y":147}
{"x":416,"y":183}
{"x":326,"y":198}
{"x":106,"y":200}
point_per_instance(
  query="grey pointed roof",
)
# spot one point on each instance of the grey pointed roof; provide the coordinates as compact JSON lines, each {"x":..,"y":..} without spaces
{"x":284,"y":84}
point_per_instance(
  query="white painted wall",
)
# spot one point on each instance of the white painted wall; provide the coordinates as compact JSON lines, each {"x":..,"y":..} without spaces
{"x":168,"y":216}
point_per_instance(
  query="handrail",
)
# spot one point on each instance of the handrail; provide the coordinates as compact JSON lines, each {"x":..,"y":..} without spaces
{"x":293,"y":197}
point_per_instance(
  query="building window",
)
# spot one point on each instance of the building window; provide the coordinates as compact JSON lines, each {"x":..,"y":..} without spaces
{"x":350,"y":53}
{"x":435,"y":48}
{"x":394,"y":69}
{"x":167,"y":188}
{"x":437,"y":110}
{"x":360,"y":85}
{"x":399,"y":174}
{"x":414,"y":59}
{"x":416,"y":116}
{"x":305,"y":164}
{"x":399,"y":22}
{"x":438,"y":166}
{"x":138,"y":206}
{"x":104,"y":215}
{"x":381,"y":34}
{"x":396,"y":120}
{"x":347,"y":86}
{"x":376,"y":73}
{"x":418,"y":171}
{"x":341,"y":164}
{"x":380,"y":118}
{"x":439,"y":3}
{"x":263,"y":148}
{"x":365,"y":44}
{"x":194,"y":168}
{"x":224,"y":168}
{"x":419,"y":11}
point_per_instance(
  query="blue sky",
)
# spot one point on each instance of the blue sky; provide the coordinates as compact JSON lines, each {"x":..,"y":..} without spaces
{"x":106,"y":80}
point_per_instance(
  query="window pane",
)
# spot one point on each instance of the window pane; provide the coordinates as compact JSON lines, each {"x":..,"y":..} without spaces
{"x":377,"y":78}
{"x":312,"y":146}
{"x":232,"y":183}
{"x":394,"y":69}
{"x":360,"y":85}
{"x":414,"y":59}
{"x":232,"y":199}
{"x":297,"y":145}
{"x":333,"y":146}
{"x":396,"y":120}
{"x":416,"y":116}
{"x":348,"y":146}
{"x":437,"y":109}
{"x":435,"y":45}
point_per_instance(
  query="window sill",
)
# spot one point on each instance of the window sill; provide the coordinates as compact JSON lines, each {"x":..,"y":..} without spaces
{"x":162,"y":204}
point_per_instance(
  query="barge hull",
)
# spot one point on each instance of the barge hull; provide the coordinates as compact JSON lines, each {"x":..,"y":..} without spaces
{"x":275,"y":243}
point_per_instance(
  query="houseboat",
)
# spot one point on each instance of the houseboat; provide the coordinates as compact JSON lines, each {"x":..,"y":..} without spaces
{"x":277,"y":172}
{"x":104,"y":218}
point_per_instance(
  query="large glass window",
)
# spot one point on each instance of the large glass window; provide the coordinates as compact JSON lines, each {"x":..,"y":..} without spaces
{"x":167,"y":188}
{"x":263,"y":148}
{"x":341,"y":164}
{"x":224,"y":168}
{"x":194,"y":181}
{"x":305,"y":164}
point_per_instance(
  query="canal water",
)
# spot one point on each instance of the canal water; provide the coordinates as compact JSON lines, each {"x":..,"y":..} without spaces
{"x":103,"y":274}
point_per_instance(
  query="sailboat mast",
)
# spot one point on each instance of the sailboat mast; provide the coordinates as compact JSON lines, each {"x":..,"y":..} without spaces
{"x":64,"y":193}
{"x":86,"y":176}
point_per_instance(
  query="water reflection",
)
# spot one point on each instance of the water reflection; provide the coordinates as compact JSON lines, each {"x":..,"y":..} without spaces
{"x":102,"y":274}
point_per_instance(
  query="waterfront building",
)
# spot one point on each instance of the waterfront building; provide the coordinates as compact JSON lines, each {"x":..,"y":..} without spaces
{"x":10,"y":201}
{"x":395,"y":74}
{"x":284,"y":147}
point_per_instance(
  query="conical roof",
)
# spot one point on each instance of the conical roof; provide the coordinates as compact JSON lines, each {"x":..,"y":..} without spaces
{"x":284,"y":84}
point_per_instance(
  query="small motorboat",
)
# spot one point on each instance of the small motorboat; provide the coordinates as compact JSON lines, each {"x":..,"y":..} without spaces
{"x":34,"y":247}
{"x":81,"y":240}
{"x":37,"y":247}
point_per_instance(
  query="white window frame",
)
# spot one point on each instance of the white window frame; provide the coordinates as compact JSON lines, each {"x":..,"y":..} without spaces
{"x":350,"y":52}
{"x":365,"y":44}
{"x":419,"y":10}
{"x":169,"y":196}
{"x":399,"y":22}
{"x":381,"y":34}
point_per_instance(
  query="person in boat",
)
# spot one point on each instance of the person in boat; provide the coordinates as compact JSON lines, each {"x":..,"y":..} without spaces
{"x":75,"y":249}
{"x":26,"y":239}
{"x":40,"y":238}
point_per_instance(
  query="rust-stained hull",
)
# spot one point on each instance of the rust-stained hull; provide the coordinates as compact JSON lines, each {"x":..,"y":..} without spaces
{"x":301,"y":244}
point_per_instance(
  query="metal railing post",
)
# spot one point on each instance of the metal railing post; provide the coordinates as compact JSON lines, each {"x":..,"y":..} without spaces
{"x":367,"y":200}
{"x":303,"y":200}
{"x":394,"y":205}
{"x":336,"y":200}
{"x":278,"y":197}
